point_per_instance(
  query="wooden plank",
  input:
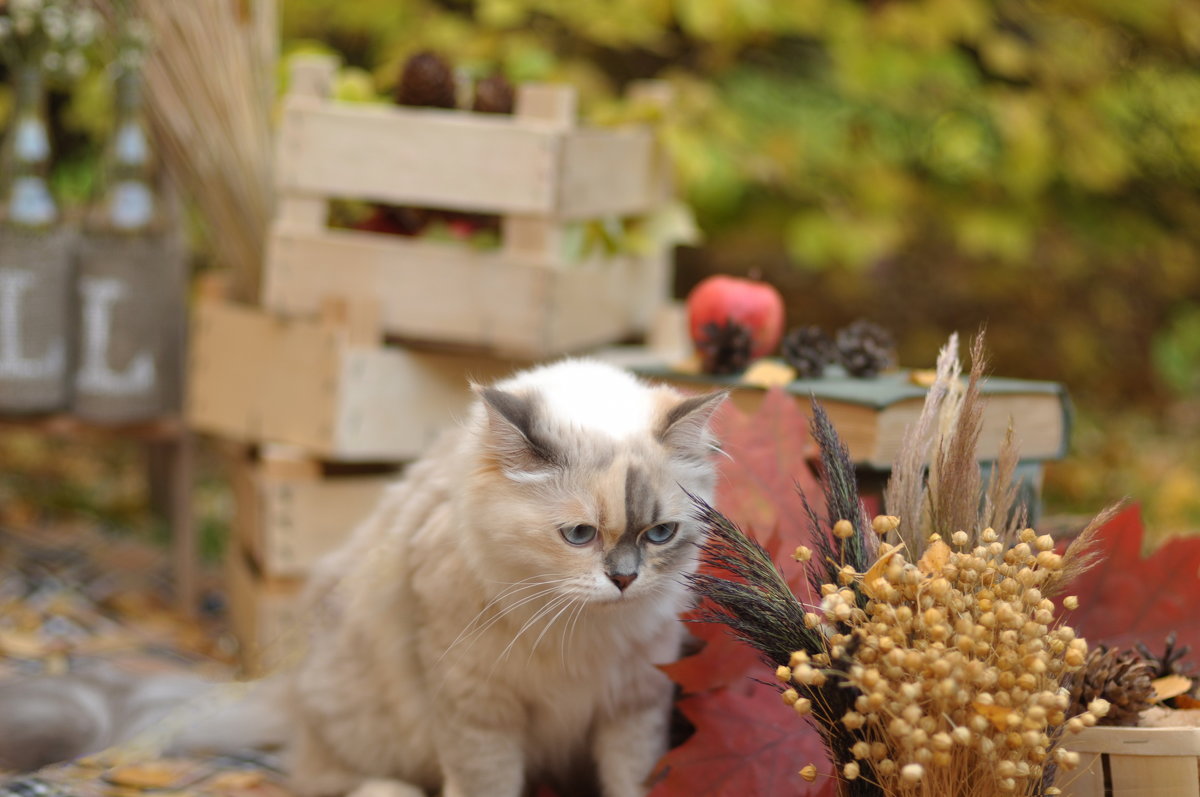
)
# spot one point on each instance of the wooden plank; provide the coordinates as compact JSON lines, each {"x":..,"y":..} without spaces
{"x":231,"y":349}
{"x":1130,"y":776}
{"x":536,"y":240}
{"x":604,"y":300}
{"x":553,"y":105}
{"x":302,"y":212}
{"x":298,"y":389}
{"x":266,"y":616}
{"x":433,"y":291}
{"x":397,"y":401}
{"x":301,"y":520}
{"x":608,"y":173}
{"x":427,"y":290}
{"x":417,"y":156}
{"x":311,"y":75}
{"x":1136,"y":741}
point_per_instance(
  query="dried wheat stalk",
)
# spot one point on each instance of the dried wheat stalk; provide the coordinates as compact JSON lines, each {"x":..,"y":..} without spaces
{"x":209,"y":84}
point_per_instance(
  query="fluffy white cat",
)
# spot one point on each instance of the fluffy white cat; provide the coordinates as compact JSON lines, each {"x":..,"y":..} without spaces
{"x":499,"y":619}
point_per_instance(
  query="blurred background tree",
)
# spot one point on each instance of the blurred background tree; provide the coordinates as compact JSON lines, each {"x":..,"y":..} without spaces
{"x":933,"y":165}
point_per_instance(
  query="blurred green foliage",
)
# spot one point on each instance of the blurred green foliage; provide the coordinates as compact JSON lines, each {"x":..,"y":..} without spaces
{"x":1029,"y":165}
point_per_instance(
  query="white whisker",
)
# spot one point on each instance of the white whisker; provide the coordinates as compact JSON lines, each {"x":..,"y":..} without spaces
{"x":467,"y":633}
{"x":569,"y":605}
{"x":542,"y":612}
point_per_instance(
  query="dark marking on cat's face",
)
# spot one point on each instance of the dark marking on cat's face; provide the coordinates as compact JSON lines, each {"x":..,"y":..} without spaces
{"x":641,"y":502}
{"x":520,"y":412}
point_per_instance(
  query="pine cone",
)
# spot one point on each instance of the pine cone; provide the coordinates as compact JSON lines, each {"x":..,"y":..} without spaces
{"x":724,"y":348}
{"x":809,"y":350}
{"x":494,"y":94}
{"x":865,"y":349}
{"x":1123,"y":678}
{"x":1170,"y":662}
{"x":427,"y":82}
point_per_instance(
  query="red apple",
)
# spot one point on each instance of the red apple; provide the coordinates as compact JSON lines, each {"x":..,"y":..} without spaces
{"x":757,"y":305}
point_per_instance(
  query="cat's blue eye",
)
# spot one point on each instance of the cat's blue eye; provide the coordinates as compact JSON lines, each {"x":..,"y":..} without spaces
{"x":661,"y":533}
{"x":579,"y":535}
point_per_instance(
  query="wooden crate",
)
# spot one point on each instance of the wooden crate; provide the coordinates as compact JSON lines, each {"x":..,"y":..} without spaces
{"x":265,"y":614}
{"x":536,"y":169}
{"x":1133,"y":762}
{"x":326,"y":385}
{"x":292,"y":510}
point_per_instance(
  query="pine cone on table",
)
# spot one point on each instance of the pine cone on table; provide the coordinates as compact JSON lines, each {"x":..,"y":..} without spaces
{"x":1121,"y":677}
{"x":808,"y":350}
{"x":724,"y":348}
{"x":865,"y":349}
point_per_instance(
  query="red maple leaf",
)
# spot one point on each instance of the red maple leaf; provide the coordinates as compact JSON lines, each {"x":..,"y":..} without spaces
{"x":1128,"y":598}
{"x":767,"y":465}
{"x":746,"y":741}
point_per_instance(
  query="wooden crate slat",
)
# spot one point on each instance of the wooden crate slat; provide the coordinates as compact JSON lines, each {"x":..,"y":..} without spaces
{"x":401,"y":400}
{"x":440,"y":291}
{"x":608,"y":172}
{"x":426,"y":289}
{"x":300,"y":398}
{"x":618,"y":295}
{"x":266,"y":615}
{"x":423,"y":157}
{"x":229,"y":348}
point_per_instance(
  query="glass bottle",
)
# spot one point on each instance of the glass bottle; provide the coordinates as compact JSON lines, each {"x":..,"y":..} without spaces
{"x":26,"y":201}
{"x":130,"y":203}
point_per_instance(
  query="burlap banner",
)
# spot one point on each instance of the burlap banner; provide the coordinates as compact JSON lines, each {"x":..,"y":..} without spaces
{"x":130,"y":327}
{"x":36,"y":276}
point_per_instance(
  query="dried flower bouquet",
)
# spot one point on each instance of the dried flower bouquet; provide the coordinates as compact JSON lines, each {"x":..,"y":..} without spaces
{"x":933,"y":663}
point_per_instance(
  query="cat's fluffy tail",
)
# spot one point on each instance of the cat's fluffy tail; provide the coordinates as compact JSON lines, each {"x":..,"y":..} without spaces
{"x":44,"y":720}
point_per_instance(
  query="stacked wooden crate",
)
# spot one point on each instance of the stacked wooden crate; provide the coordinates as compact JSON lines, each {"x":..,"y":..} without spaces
{"x":364,"y":343}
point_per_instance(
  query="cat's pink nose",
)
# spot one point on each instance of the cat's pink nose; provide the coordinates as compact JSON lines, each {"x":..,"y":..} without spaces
{"x":622,"y":580}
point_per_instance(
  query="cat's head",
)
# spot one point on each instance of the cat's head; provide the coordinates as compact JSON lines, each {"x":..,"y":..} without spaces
{"x":583,"y":479}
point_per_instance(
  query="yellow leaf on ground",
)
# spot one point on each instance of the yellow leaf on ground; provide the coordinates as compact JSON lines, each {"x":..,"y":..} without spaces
{"x":923,"y":378}
{"x":150,"y":775}
{"x":1170,"y":686}
{"x":237,"y":780}
{"x":769,"y":373}
{"x":23,"y":644}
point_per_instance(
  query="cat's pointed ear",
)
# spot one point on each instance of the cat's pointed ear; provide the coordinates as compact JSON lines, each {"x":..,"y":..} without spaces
{"x":513,"y":433}
{"x":685,"y":427}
